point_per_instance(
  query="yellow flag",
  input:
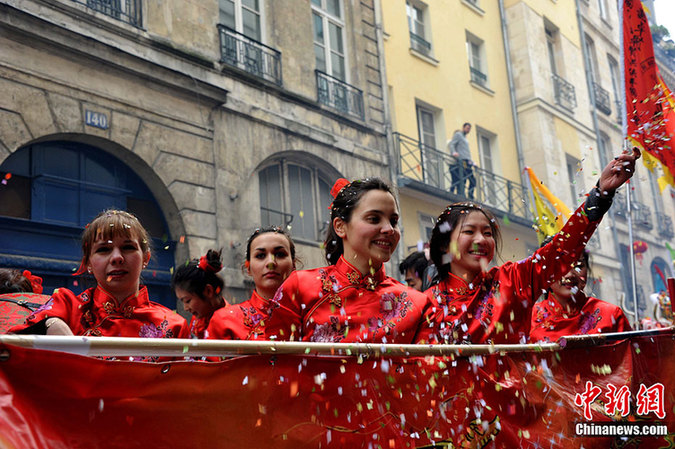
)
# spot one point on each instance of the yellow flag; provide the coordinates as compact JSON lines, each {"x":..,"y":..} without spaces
{"x":547,"y":222}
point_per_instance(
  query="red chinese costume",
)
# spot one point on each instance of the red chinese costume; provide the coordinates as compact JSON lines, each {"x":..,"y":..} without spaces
{"x":95,"y":313}
{"x":496,"y":306}
{"x":589,"y":315}
{"x":339,"y":304}
{"x":243,"y":321}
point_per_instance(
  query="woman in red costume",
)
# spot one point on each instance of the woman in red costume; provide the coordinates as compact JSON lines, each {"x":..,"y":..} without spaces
{"x":566,"y":310}
{"x":199,"y":288}
{"x":115,"y":249}
{"x":270,"y":259}
{"x":351,"y":300}
{"x":474,"y":304}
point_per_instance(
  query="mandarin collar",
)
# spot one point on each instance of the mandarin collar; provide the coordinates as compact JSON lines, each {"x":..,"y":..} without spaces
{"x":455,"y":282}
{"x":355,"y":277}
{"x":574,"y":307}
{"x":258,"y":301}
{"x":104,"y":299}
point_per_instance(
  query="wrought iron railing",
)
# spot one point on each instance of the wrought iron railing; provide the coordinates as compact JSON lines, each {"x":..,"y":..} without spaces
{"x":425,"y":164}
{"x":247,"y":54}
{"x":478,"y":77}
{"x":564,"y":92}
{"x":128,"y":11}
{"x":665,"y":225}
{"x":419,"y":44}
{"x":339,"y":95}
{"x":271,"y":217}
{"x":602,"y":101}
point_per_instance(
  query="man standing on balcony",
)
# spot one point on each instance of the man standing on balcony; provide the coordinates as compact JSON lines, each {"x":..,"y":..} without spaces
{"x":462,"y":169}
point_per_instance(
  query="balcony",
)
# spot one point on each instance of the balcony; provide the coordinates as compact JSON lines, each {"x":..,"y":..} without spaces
{"x":431,"y":167}
{"x":602,"y":102}
{"x":127,"y":11}
{"x":665,"y":225}
{"x":419,"y":44}
{"x":642,"y":215}
{"x":565,"y":95}
{"x":244,"y":53}
{"x":339,"y":95}
{"x":478,"y":77}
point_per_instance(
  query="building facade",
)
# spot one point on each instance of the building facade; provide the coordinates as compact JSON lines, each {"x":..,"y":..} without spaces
{"x":206,"y":118}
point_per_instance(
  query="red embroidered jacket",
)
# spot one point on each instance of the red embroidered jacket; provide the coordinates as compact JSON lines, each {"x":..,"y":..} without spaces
{"x":95,"y":313}
{"x":243,"y":321}
{"x":550,"y":321}
{"x":338,"y":304}
{"x":497,"y":305}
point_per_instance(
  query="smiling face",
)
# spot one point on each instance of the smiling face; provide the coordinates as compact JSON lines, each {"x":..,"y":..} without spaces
{"x":472,"y":246}
{"x":572,"y":283}
{"x":372,"y":233}
{"x":271,"y":262}
{"x":117,"y":264}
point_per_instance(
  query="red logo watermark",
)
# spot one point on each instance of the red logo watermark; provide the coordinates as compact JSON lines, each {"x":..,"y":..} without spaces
{"x":648,"y":400}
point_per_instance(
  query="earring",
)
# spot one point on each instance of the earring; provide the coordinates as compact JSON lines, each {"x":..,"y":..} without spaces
{"x":89,"y":270}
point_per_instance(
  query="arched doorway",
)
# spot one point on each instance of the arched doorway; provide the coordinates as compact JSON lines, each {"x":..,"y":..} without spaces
{"x":51,"y":190}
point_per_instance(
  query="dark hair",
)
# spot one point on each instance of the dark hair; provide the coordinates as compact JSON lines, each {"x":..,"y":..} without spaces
{"x":344,"y":204}
{"x":466,"y":123}
{"x":194,"y":279}
{"x":265,"y":230}
{"x":452,"y":217}
{"x":13,"y":281}
{"x":416,"y":261}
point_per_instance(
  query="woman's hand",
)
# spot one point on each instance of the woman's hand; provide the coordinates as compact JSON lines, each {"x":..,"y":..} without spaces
{"x":617,"y":172}
{"x":56,"y":326}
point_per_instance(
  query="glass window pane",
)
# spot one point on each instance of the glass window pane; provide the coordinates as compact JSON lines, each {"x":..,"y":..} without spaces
{"x":337,"y":66}
{"x":335,"y":38}
{"x":251,"y":24}
{"x":333,"y":7}
{"x":316,"y":3}
{"x":320,"y":55}
{"x":226,"y":17}
{"x":270,"y":197}
{"x":318,"y":28}
{"x":325,"y":200}
{"x":251,"y":4}
{"x":302,"y":202}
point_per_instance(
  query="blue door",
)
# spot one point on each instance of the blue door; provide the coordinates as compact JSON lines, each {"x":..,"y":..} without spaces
{"x":50,"y":191}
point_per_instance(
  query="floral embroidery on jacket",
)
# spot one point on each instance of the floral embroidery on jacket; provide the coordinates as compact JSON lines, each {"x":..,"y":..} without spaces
{"x":587,"y":322}
{"x":328,"y":332}
{"x":46,"y":306}
{"x":152,"y":331}
{"x":391,"y":308}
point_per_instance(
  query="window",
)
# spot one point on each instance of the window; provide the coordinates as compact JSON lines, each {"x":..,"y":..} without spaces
{"x":474,"y":49}
{"x":605,"y":149}
{"x":329,"y":48}
{"x":492,"y":186}
{"x":128,"y":11}
{"x":614,"y":74}
{"x":242,"y":16}
{"x":418,"y":33}
{"x":575,"y":179}
{"x":551,"y":46}
{"x":296,"y":197}
{"x":602,"y":7}
{"x":427,"y":223}
{"x":432,"y":159}
{"x":592,"y":58}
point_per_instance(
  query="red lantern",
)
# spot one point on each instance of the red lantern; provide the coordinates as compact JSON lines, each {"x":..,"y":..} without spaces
{"x":639,"y":248}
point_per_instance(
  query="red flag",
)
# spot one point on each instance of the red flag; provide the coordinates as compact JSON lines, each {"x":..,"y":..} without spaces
{"x":529,"y":399}
{"x":648,"y":100}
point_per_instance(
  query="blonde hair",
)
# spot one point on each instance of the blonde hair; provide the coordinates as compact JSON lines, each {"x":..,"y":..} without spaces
{"x":109,"y":224}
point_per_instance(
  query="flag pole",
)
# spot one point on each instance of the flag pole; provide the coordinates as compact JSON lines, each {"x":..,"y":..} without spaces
{"x":629,"y":207}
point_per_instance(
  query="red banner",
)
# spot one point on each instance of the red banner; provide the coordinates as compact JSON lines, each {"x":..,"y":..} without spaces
{"x":649,"y":103}
{"x":529,"y":399}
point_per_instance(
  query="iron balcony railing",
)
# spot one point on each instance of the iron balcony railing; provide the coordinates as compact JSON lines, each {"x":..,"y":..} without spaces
{"x":602,"y":101}
{"x":247,"y":54}
{"x":271,"y":217}
{"x":419,"y":44}
{"x":478,"y":77}
{"x":665,"y":225}
{"x":128,"y":11}
{"x":423,"y":163}
{"x":339,"y":95}
{"x":564,"y":92}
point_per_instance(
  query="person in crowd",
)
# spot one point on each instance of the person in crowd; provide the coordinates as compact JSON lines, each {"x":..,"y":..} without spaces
{"x":270,"y":259}
{"x":115,"y":250}
{"x":412,"y":268}
{"x":200,"y":289}
{"x":566,"y":310}
{"x":17,"y":281}
{"x":474,"y":304}
{"x":462,"y":170}
{"x":352,"y":299}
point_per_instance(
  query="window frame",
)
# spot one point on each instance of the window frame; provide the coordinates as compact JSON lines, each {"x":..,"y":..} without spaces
{"x":478,"y":56}
{"x":316,"y":177}
{"x":424,"y":21}
{"x":239,"y":20}
{"x":326,"y":19}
